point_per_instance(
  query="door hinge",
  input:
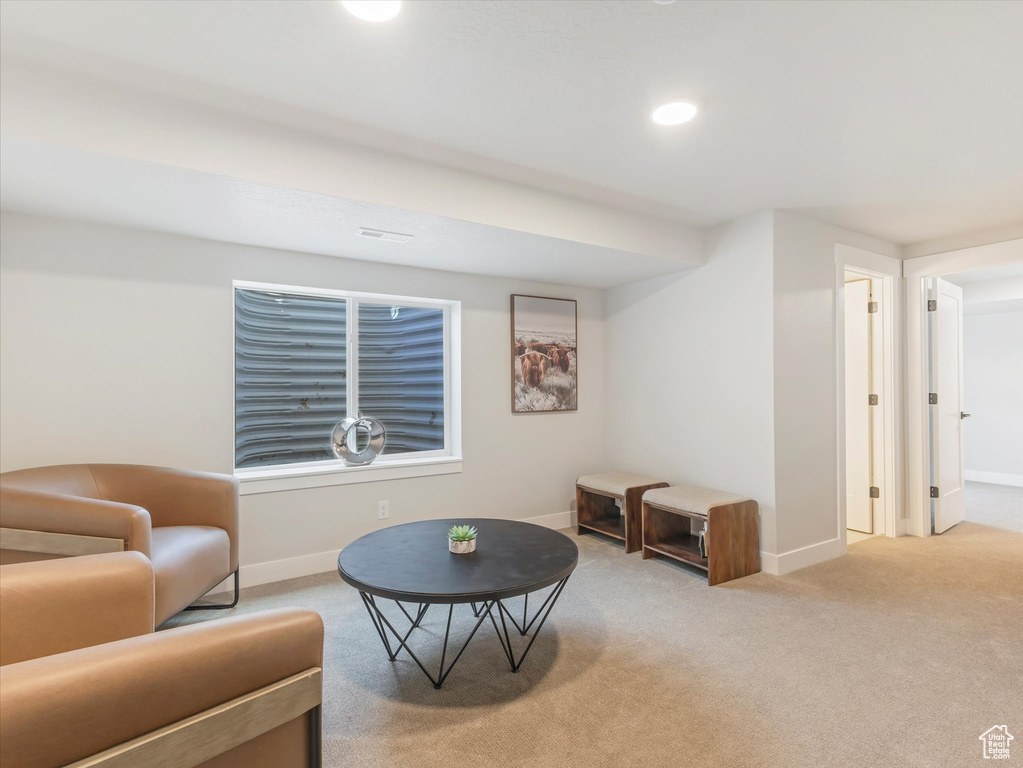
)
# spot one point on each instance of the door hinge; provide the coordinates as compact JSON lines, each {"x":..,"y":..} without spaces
{"x":871,"y":399}
{"x":932,"y":398}
{"x":871,"y":307}
{"x":932,"y":305}
{"x":875,"y":492}
{"x":934,"y":491}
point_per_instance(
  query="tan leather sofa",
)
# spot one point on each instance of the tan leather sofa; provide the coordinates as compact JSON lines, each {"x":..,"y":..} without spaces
{"x":85,"y":681}
{"x":185,"y":522}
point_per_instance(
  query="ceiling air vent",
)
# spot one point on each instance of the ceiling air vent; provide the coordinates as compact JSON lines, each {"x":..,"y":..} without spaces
{"x":378,"y":234}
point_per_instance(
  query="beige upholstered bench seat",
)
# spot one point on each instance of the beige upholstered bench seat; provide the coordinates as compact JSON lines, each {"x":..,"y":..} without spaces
{"x":689,"y":498}
{"x":615,"y":483}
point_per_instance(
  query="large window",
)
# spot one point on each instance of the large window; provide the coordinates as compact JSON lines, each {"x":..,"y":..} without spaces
{"x":306,"y":359}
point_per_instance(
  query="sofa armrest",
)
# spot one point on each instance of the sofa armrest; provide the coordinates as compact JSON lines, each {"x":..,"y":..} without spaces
{"x":76,"y":515}
{"x":97,"y":698}
{"x":53,"y":606}
{"x":175,"y":496}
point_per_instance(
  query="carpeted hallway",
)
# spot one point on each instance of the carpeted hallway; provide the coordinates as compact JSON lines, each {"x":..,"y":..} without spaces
{"x":998,"y":505}
{"x":901,"y":653}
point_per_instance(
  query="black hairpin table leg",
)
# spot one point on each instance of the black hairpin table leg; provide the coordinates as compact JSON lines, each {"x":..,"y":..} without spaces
{"x":386,"y":630}
{"x":504,"y":636}
{"x":394,"y":641}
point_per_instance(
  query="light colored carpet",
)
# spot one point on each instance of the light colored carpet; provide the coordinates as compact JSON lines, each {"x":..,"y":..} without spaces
{"x":901,"y":653}
{"x":997,"y":505}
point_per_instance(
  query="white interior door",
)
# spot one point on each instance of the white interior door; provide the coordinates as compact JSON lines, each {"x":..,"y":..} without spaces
{"x":858,"y":515}
{"x":879,"y":477}
{"x":946,"y":415}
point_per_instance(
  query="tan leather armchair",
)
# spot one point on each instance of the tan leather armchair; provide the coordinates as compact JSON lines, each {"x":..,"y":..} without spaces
{"x":185,"y":522}
{"x":85,"y":681}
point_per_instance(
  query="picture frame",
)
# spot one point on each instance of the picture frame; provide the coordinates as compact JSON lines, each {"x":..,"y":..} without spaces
{"x":544,"y":347}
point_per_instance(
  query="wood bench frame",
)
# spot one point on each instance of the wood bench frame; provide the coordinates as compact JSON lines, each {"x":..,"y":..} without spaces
{"x":593,"y":510}
{"x":733,"y":538}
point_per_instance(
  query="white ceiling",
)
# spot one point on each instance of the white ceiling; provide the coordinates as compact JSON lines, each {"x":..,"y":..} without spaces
{"x":901,"y":120}
{"x":44,"y":179}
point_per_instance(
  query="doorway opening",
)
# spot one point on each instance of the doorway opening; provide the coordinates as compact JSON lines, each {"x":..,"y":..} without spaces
{"x":944,"y":399}
{"x":868,"y":400}
{"x":865,"y":483}
{"x":863,"y":427}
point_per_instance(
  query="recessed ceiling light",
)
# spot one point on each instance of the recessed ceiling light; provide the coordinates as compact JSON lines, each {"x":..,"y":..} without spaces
{"x":373,"y":10}
{"x":675,"y":113}
{"x":664,"y":2}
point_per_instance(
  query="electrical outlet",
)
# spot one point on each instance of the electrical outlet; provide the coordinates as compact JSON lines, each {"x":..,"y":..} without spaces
{"x":383,"y":510}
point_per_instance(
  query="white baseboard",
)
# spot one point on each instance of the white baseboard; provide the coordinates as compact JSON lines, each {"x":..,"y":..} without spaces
{"x":787,"y":562}
{"x":322,"y":562}
{"x":996,"y":478}
{"x":556,"y":521}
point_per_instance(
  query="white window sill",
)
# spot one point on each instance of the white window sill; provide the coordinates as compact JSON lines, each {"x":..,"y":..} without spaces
{"x":254,"y":481}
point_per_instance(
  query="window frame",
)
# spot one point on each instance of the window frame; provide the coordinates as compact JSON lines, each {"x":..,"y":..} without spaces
{"x":311,"y":474}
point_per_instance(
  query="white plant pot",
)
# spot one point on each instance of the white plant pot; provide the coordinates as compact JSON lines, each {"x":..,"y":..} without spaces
{"x":462,"y":547}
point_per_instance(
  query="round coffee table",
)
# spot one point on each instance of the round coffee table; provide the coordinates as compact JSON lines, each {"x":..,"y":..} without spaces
{"x":411,"y":563}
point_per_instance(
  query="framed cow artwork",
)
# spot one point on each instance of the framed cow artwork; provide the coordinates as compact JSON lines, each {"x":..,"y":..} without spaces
{"x":544,"y":358}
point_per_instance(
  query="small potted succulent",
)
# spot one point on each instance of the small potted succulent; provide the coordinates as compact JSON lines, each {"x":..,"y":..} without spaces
{"x":462,"y":539}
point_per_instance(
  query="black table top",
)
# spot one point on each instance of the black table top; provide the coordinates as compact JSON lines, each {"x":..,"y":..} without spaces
{"x":411,"y":562}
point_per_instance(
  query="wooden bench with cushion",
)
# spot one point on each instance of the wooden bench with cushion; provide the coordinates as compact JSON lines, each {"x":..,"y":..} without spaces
{"x":673,"y":517}
{"x":596,"y":500}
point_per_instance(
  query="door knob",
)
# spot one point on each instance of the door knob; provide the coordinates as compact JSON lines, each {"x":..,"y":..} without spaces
{"x":963,"y":415}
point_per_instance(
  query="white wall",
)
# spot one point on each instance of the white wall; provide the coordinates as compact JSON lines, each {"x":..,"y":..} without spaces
{"x":727,"y":377}
{"x":993,"y":395}
{"x":986,"y":296}
{"x":116,"y":345}
{"x":806,"y":384}
{"x":688,"y":371}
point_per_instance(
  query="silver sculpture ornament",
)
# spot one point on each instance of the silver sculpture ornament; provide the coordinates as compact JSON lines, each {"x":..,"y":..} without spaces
{"x":345,"y":439}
